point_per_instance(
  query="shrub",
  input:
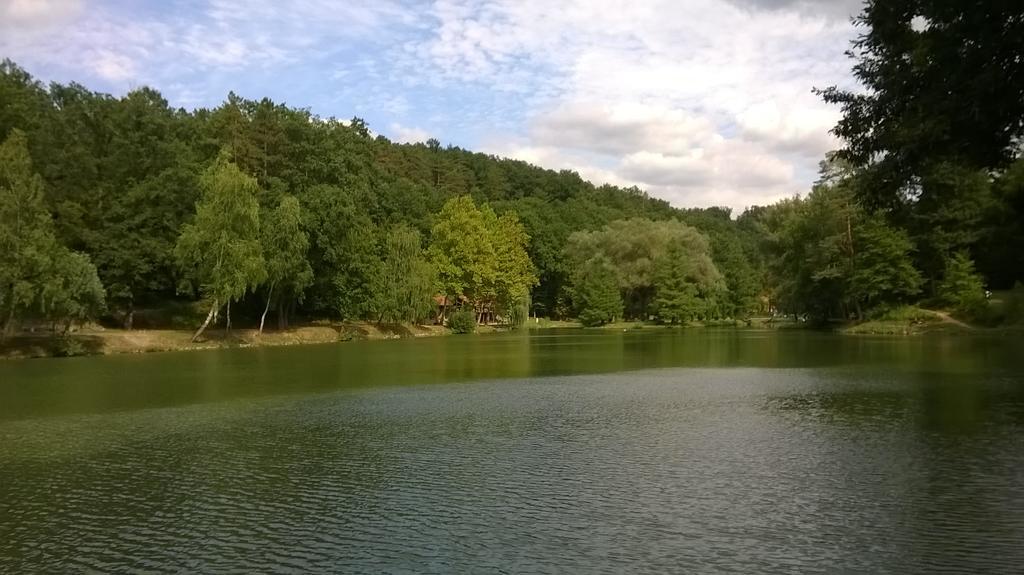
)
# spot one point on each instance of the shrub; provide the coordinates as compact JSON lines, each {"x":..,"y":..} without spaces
{"x":463,"y":320}
{"x":67,"y":346}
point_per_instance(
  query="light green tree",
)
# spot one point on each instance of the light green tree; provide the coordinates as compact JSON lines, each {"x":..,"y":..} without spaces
{"x":220,"y":250}
{"x":462,"y":252}
{"x":514,"y":273}
{"x":285,"y":244}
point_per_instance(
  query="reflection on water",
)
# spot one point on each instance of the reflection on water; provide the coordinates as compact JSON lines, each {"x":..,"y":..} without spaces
{"x":745,"y":451}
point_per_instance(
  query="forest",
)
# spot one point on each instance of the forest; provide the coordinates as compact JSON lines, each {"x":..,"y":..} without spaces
{"x":111,"y":206}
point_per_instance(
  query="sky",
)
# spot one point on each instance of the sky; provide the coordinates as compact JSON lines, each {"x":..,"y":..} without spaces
{"x":698,"y":102}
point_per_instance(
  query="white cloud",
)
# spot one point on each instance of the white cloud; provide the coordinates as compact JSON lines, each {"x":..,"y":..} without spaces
{"x":112,"y":66}
{"x":217,"y":35}
{"x":406,"y":134}
{"x":701,"y":102}
{"x":27,"y":16}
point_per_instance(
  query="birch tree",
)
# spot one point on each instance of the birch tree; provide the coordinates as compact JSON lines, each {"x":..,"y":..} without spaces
{"x":220,"y":250}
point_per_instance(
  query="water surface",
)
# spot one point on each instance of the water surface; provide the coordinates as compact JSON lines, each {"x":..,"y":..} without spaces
{"x":647,"y":451}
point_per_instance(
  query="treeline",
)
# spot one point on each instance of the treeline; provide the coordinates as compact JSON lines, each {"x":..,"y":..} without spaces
{"x":281,"y":212}
{"x":110,"y":205}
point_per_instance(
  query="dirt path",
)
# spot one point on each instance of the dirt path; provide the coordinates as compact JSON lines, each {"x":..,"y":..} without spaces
{"x":950,"y":319}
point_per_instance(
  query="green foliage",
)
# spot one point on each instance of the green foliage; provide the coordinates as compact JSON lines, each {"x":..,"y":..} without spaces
{"x":403,"y":288}
{"x":686,"y":285}
{"x":26,"y":230}
{"x":72,"y":290}
{"x":285,"y":245}
{"x":220,"y":251}
{"x":323,"y":214}
{"x":513,"y":271}
{"x":67,"y":346}
{"x":943,"y":81}
{"x":36,"y":272}
{"x":834,"y":259}
{"x":461,"y":250}
{"x":480,"y":256}
{"x":903,"y":313}
{"x":343,"y":252}
{"x":463,"y":320}
{"x":961,"y":287}
{"x":634,"y":250}
{"x":597,"y":293}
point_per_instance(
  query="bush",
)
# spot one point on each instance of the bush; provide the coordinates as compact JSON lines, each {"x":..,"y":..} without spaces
{"x":67,"y":346}
{"x":463,"y":320}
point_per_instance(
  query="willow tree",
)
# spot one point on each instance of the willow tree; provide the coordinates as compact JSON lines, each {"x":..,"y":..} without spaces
{"x":403,"y":285}
{"x":220,"y":250}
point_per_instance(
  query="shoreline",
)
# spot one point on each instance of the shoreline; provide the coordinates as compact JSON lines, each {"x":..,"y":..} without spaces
{"x":96,"y":340}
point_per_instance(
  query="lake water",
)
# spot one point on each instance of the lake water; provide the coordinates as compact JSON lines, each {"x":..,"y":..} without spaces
{"x":655,"y":451}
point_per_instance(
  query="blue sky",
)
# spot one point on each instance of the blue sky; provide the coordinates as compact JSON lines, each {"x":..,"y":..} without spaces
{"x":700,"y":102}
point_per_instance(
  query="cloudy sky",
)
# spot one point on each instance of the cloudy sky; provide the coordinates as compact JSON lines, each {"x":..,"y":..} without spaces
{"x":700,"y":102}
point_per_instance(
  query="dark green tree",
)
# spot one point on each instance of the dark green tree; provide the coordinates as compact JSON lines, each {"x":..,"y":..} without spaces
{"x":597,"y":296}
{"x":945,"y":83}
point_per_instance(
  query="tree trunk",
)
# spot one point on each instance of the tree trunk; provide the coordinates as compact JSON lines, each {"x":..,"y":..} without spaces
{"x":227,"y":318}
{"x":280,"y":314}
{"x":263,"y":318}
{"x":209,"y":318}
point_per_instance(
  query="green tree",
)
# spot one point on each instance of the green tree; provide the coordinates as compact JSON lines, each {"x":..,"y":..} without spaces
{"x":962,"y":287}
{"x":285,"y":244}
{"x":220,"y":250}
{"x":71,"y":290}
{"x":343,"y":251}
{"x":687,"y":281}
{"x":632,"y":247}
{"x":597,"y":296}
{"x":462,"y":252}
{"x":944,"y":80}
{"x":27,"y":241}
{"x":831,"y":257}
{"x":514,"y":273}
{"x":404,"y":287}
{"x":883,"y":271}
